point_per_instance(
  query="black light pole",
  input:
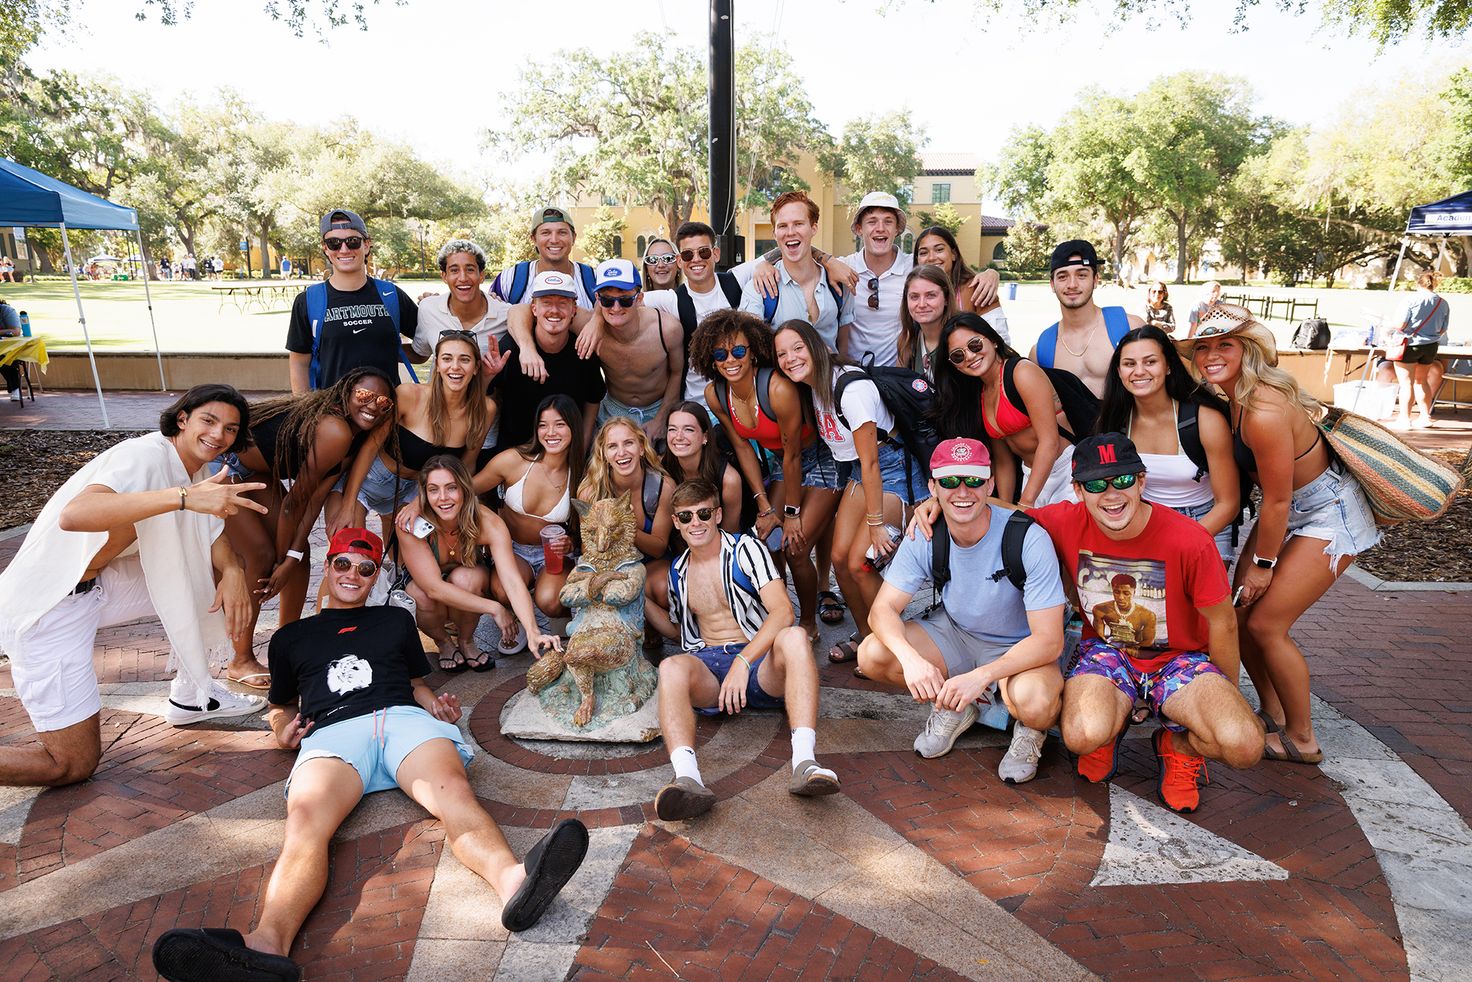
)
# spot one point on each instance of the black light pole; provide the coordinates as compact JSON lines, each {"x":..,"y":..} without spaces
{"x":723,"y":135}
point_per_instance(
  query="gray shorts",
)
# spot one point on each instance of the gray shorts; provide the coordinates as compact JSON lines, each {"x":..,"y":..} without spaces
{"x":962,"y":650}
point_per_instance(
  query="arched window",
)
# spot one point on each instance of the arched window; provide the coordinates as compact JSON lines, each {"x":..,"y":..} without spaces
{"x":642,"y":241}
{"x":618,"y":246}
{"x":999,"y":254}
{"x":907,"y":242}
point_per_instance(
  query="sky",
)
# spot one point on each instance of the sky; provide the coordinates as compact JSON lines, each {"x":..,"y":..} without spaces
{"x":434,"y":73}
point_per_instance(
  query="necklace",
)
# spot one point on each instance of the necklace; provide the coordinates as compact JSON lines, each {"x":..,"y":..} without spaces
{"x":1080,"y":353}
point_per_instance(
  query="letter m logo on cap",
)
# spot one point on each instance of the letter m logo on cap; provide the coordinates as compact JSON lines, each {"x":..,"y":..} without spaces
{"x":1106,"y":454}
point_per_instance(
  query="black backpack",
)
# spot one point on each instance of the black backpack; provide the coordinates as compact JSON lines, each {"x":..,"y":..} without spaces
{"x":763,"y":385}
{"x":1190,"y":436}
{"x":1080,"y":405}
{"x":1312,"y":334}
{"x":910,"y":398}
{"x":1013,"y":536}
{"x":685,"y":307}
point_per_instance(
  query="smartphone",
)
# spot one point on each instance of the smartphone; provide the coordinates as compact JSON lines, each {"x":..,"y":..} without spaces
{"x":1237,"y":597}
{"x":422,"y":527}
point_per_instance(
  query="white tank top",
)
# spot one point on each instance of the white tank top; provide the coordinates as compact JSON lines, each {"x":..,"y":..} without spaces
{"x":1171,"y":478}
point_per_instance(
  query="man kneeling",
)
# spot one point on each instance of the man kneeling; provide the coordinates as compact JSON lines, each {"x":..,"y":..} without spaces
{"x":366,"y":722}
{"x":730,"y":611}
{"x":998,"y":629}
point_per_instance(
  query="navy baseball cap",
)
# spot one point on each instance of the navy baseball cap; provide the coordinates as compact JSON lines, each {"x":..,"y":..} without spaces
{"x":1074,"y":252}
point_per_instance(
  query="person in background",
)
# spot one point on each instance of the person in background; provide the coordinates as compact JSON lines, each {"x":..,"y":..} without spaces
{"x":1424,"y":324}
{"x":661,"y":265}
{"x":1083,"y":340}
{"x":1158,"y":312}
{"x":1211,"y":292}
{"x":10,"y":328}
{"x":553,"y":236}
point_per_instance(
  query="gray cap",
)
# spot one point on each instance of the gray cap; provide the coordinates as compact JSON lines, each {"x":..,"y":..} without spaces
{"x":343,"y":219}
{"x":551,"y":213}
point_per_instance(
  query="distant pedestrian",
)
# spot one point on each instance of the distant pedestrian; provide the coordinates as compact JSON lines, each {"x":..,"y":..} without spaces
{"x":1158,"y":312}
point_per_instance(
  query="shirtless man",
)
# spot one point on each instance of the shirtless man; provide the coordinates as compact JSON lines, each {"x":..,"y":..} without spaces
{"x":1122,"y":622}
{"x":642,"y":350}
{"x":1083,"y":340}
{"x":730,"y":612}
{"x":137,"y":532}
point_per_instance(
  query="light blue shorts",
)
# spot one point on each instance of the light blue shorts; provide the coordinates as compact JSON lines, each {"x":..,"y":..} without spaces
{"x":898,"y":471}
{"x":819,"y":469}
{"x":611,"y":407}
{"x":1223,"y":538}
{"x":1333,"y":507}
{"x":385,"y":492}
{"x":377,"y":743}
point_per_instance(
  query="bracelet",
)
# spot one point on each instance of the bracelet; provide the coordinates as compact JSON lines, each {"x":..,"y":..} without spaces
{"x":761,"y":494}
{"x":183,"y":496}
{"x":875,"y":525}
{"x":294,"y":554}
{"x":764,"y":514}
{"x":744,"y":661}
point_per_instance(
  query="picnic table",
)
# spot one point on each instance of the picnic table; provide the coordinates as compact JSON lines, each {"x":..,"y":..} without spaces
{"x":244,"y":295}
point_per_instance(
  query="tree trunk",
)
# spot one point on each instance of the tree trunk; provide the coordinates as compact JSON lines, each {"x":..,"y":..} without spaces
{"x":265,"y":248}
{"x":186,"y":235}
{"x":1181,"y":248}
{"x":147,"y":262}
{"x":1120,"y":238}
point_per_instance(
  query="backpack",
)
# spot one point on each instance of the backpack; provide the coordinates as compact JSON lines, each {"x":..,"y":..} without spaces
{"x":763,"y":385}
{"x":1189,"y":433}
{"x":1116,"y":322}
{"x":1080,"y":405}
{"x":769,"y":304}
{"x":317,"y":313}
{"x":685,"y":307}
{"x":1013,"y":537}
{"x":521,"y":275}
{"x":1312,"y":334}
{"x":910,"y":398}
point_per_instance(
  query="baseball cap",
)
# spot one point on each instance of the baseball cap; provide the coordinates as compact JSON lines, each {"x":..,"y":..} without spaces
{"x":1064,"y":251}
{"x":881,"y":199}
{"x":551,"y":283}
{"x":341,"y":218}
{"x":550,"y":213}
{"x":961,"y":457}
{"x":359,"y":541}
{"x":618,"y":273}
{"x":1106,"y":455}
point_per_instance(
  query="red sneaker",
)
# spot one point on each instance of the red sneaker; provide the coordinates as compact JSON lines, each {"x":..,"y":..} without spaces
{"x":1098,"y":766}
{"x":1180,"y":773}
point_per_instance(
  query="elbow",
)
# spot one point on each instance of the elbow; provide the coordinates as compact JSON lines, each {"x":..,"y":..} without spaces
{"x":68,"y":521}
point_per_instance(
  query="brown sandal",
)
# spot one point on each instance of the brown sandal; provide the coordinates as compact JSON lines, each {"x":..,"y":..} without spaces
{"x":844,"y":651}
{"x":1291,"y":754}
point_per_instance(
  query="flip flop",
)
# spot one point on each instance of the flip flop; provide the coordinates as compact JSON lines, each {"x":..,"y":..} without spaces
{"x":549,"y":865}
{"x":482,"y":664}
{"x":1291,"y":754}
{"x":844,"y":651}
{"x":451,"y":660}
{"x":830,"y":607}
{"x":245,"y":680}
{"x":217,"y":954}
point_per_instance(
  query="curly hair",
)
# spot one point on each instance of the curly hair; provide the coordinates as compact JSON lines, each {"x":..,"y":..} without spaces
{"x":298,"y":432}
{"x":597,"y":483}
{"x":466,"y":530}
{"x":718,"y":326}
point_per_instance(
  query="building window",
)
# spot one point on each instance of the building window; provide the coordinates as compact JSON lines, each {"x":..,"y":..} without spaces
{"x":642,"y":242}
{"x":763,"y":246}
{"x":907,"y":242}
{"x":618,"y":247}
{"x":999,"y":254}
{"x":940,"y":193}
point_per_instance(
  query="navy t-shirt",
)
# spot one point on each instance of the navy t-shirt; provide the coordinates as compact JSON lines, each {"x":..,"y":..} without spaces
{"x":357,"y":332}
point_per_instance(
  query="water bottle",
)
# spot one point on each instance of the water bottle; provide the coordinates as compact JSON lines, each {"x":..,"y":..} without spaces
{"x":1370,"y":337}
{"x":25,"y":324}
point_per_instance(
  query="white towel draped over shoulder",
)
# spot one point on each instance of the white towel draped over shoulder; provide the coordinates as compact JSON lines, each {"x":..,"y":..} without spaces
{"x":174,"y":549}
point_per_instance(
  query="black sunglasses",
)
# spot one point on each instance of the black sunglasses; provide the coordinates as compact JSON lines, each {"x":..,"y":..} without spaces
{"x":873,"y":293}
{"x":349,"y":242}
{"x":1101,"y":484}
{"x":957,"y":355}
{"x":721,"y":354}
{"x":953,"y":481}
{"x":686,"y":517}
{"x":455,"y":332}
{"x":704,"y":252}
{"x":624,"y":302}
{"x":366,"y":567}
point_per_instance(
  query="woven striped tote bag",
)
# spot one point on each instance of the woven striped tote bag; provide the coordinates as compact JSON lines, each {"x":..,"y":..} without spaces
{"x":1402,"y":483}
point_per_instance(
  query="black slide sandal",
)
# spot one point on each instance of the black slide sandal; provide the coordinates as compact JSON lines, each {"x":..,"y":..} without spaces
{"x":549,"y":865}
{"x":216,"y":954}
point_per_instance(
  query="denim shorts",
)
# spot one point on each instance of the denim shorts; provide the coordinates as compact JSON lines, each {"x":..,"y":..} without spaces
{"x":1333,"y":507}
{"x":719,"y":659}
{"x":1097,"y":657}
{"x":819,"y":469}
{"x":377,"y":743}
{"x":385,"y":492}
{"x":898,"y":471}
{"x":1223,"y":538}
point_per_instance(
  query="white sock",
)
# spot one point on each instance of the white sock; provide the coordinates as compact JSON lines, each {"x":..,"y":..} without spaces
{"x":682,"y":759}
{"x":804,"y":745}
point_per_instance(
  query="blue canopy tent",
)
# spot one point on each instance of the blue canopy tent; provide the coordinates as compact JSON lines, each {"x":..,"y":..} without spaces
{"x":32,"y":199}
{"x":1449,"y":216}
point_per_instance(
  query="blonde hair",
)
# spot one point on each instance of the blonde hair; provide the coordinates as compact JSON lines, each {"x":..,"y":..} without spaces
{"x":475,"y":394}
{"x":467,"y":526}
{"x":597,"y":483}
{"x":1260,"y":369}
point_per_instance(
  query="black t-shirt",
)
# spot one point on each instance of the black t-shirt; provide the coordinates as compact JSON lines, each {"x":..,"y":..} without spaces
{"x":356,"y":332}
{"x":345,"y":663}
{"x":519,"y":396}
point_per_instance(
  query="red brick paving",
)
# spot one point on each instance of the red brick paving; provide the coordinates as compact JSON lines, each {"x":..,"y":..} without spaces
{"x":711,"y":920}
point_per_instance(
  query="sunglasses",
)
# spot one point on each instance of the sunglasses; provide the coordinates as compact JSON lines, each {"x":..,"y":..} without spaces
{"x":721,"y":354}
{"x":375,"y":399}
{"x":687,"y":516}
{"x":873,"y":293}
{"x":704,"y":252}
{"x":365,"y":567}
{"x":1102,"y":484}
{"x":953,"y":481}
{"x":351,"y":242}
{"x":455,"y":332}
{"x":665,"y":260}
{"x":958,"y":355}
{"x":610,"y":302}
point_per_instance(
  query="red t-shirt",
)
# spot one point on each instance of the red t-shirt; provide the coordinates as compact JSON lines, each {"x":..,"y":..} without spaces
{"x":1141,"y":595}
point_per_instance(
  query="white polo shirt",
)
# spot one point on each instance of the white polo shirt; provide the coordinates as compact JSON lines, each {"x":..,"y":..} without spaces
{"x":435,"y":316}
{"x":877,"y":331}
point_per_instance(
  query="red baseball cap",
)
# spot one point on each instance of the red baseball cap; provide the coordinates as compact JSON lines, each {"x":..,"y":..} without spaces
{"x":360,"y":541}
{"x":961,"y":457}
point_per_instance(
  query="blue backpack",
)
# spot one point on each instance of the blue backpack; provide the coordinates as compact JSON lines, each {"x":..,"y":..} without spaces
{"x":1116,"y":322}
{"x":521,"y":275}
{"x":317,"y":313}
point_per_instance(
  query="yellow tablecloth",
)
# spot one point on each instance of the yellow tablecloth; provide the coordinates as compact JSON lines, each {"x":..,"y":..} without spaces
{"x":24,"y":349}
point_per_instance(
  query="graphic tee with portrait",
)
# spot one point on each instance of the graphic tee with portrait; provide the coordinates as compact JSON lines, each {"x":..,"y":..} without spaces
{"x":347,"y":662}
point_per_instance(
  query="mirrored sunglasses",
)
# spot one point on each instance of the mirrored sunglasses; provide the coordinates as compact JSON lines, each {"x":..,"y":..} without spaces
{"x":721,"y":354}
{"x":375,"y":399}
{"x":668,"y":259}
{"x":1101,"y":484}
{"x":365,"y":567}
{"x":953,"y":481}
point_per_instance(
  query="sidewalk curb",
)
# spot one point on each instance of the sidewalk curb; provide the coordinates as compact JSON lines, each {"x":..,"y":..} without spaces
{"x":16,"y":532}
{"x":1374,"y":583}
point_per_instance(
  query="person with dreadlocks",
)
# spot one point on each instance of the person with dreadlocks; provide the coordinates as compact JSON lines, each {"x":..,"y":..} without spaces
{"x":308,"y":440}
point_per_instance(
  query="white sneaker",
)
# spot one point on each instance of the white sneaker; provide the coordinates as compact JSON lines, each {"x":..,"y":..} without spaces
{"x":943,"y":729}
{"x":15,"y":395}
{"x":1020,"y":762}
{"x":224,"y":703}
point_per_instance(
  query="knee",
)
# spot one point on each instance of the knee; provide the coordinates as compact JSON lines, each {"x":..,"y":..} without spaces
{"x":73,"y":768}
{"x":874,"y":658}
{"x":1240,"y":740}
{"x":791,"y":647}
{"x":260,"y":558}
{"x":469,"y":578}
{"x":1261,"y":626}
{"x":674,"y":675}
{"x":1037,"y":702}
{"x":1084,"y":734}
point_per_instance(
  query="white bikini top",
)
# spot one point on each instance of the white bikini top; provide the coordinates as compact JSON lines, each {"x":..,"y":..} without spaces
{"x":559,"y":512}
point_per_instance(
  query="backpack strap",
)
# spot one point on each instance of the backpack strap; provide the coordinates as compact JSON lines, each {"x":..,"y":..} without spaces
{"x":521,"y":274}
{"x":1116,"y":324}
{"x":316,"y":312}
{"x":1190,"y":436}
{"x":653,"y":483}
{"x":1014,"y":535}
{"x":940,"y":561}
{"x":730,"y":286}
{"x":1047,"y":346}
{"x":763,"y":383}
{"x":590,"y":279}
{"x":769,"y":308}
{"x":390,"y":295}
{"x":685,"y":310}
{"x":739,"y":575}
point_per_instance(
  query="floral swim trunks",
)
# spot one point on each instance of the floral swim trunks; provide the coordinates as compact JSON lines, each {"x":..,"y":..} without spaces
{"x":1095,"y":657}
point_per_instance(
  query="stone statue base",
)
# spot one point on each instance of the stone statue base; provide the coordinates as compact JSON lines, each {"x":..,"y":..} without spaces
{"x":525,"y":719}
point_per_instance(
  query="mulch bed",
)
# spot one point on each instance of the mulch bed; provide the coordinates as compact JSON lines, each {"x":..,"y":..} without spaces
{"x":36,"y":462}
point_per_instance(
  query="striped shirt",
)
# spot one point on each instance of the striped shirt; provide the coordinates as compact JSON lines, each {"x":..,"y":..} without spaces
{"x":746,"y":567}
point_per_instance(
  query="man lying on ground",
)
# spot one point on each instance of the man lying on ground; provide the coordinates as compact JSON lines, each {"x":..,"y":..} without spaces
{"x":137,"y":532}
{"x":347,"y":688}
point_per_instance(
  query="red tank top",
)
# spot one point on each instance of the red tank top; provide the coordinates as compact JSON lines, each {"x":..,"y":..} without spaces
{"x":767,"y":432}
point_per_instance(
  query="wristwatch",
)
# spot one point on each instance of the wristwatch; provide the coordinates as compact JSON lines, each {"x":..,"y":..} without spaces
{"x":1263,"y":563}
{"x":792,"y":511}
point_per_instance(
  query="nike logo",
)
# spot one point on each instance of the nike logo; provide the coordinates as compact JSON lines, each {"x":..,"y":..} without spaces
{"x":359,"y":330}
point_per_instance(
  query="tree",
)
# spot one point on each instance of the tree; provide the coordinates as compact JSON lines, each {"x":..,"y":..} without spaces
{"x":877,"y":154}
{"x":945,"y":215}
{"x":1019,"y":179}
{"x":634,"y":124}
{"x":1028,"y":247}
{"x":603,"y":236}
{"x":1090,"y":173}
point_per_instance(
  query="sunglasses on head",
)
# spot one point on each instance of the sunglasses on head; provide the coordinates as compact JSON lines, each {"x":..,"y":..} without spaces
{"x":347,"y":242}
{"x":973,"y":346}
{"x":873,"y":293}
{"x":704,"y":252}
{"x":953,"y":481}
{"x":721,"y":354}
{"x":1102,"y":484}
{"x":686,"y":517}
{"x":455,"y":332}
{"x":668,"y":259}
{"x":610,"y":302}
{"x":365,"y":567}
{"x":375,"y":399}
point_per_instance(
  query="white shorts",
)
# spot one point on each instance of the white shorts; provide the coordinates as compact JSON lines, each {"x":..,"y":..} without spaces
{"x":1059,"y":486}
{"x":54,"y":677}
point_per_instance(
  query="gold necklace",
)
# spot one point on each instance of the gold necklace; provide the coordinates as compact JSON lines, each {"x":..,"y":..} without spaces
{"x":1080,"y":353}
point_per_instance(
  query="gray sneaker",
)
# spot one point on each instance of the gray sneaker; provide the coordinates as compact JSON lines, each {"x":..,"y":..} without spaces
{"x":683,"y":798}
{"x":943,"y":729}
{"x":1020,"y":762}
